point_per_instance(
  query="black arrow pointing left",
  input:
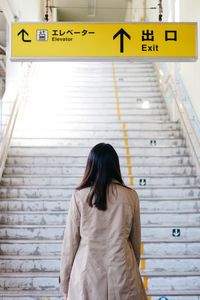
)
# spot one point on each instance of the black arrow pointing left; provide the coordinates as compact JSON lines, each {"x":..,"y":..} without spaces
{"x":23,"y":32}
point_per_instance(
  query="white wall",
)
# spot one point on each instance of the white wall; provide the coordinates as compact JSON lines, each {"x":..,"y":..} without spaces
{"x":26,"y":10}
{"x":187,"y":11}
{"x":152,"y":14}
{"x":138,"y":10}
{"x":190,"y":72}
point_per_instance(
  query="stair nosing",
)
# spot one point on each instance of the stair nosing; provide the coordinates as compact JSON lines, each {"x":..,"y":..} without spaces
{"x":64,"y":225}
{"x":174,"y":212}
{"x":13,"y":175}
{"x":143,"y":274}
{"x":51,"y":241}
{"x":85,"y":156}
{"x":57,"y":256}
{"x":48,"y":186}
{"x":67,"y":200}
{"x":52,"y":293}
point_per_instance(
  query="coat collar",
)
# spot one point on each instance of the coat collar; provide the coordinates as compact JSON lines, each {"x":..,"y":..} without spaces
{"x":115,"y":181}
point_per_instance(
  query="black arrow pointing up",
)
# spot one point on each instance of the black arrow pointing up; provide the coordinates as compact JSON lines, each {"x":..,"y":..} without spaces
{"x":122,"y":33}
{"x":23,"y":32}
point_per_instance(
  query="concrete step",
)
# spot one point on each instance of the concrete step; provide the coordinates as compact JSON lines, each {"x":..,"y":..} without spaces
{"x":84,"y":73}
{"x":108,"y":118}
{"x":66,"y":191}
{"x":106,"y":112}
{"x":155,"y":247}
{"x":44,"y":295}
{"x":127,"y":77}
{"x":31,"y":247}
{"x":74,"y":168}
{"x":130,"y":67}
{"x":83,"y":76}
{"x":49,"y":280}
{"x":64,"y":151}
{"x":121,"y":79}
{"x":51,"y":295}
{"x":108,"y":88}
{"x":134,"y":91}
{"x":46,"y":132}
{"x":126,"y":82}
{"x":146,"y":162}
{"x":175,"y":205}
{"x":56,"y":231}
{"x":166,"y":264}
{"x":159,"y":126}
{"x":97,"y":81}
{"x":46,"y":167}
{"x":120,"y":68}
{"x":110,"y":106}
{"x":156,"y":204}
{"x":167,"y":280}
{"x":176,"y":218}
{"x":63,"y":142}
{"x":109,"y":127}
{"x":85,"y":97}
{"x":124,"y":71}
{"x":59,"y":218}
{"x":54,"y":180}
{"x":82,"y":99}
{"x":170,"y":246}
{"x":52,"y":264}
{"x":173,"y":295}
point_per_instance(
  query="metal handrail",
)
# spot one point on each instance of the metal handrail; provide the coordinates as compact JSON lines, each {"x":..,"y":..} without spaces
{"x":186,"y":127}
{"x":7,"y":132}
{"x":169,"y":83}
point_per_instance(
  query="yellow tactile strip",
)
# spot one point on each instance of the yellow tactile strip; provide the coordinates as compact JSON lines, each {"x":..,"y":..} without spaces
{"x":128,"y":159}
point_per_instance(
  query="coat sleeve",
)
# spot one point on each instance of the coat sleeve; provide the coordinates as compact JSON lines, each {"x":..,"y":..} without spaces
{"x":135,"y":234}
{"x":70,"y":244}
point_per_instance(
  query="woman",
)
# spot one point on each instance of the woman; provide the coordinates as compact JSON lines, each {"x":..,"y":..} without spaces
{"x":101,"y":247}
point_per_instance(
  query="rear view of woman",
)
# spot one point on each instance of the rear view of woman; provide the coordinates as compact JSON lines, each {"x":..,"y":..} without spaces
{"x":101,"y":248}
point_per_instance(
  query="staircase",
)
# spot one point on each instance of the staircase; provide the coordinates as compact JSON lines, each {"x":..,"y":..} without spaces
{"x":70,"y":108}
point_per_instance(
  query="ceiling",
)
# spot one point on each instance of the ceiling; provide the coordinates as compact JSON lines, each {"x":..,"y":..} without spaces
{"x":91,"y":10}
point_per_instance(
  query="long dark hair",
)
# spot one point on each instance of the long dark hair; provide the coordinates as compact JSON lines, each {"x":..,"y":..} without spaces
{"x":101,"y":168}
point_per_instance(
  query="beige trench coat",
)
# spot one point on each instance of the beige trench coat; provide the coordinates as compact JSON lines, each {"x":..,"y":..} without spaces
{"x":101,"y":249}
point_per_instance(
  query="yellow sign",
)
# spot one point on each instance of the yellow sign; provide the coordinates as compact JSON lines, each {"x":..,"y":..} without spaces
{"x":138,"y":41}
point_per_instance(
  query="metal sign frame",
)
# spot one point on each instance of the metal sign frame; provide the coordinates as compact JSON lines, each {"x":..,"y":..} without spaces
{"x":121,"y":37}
